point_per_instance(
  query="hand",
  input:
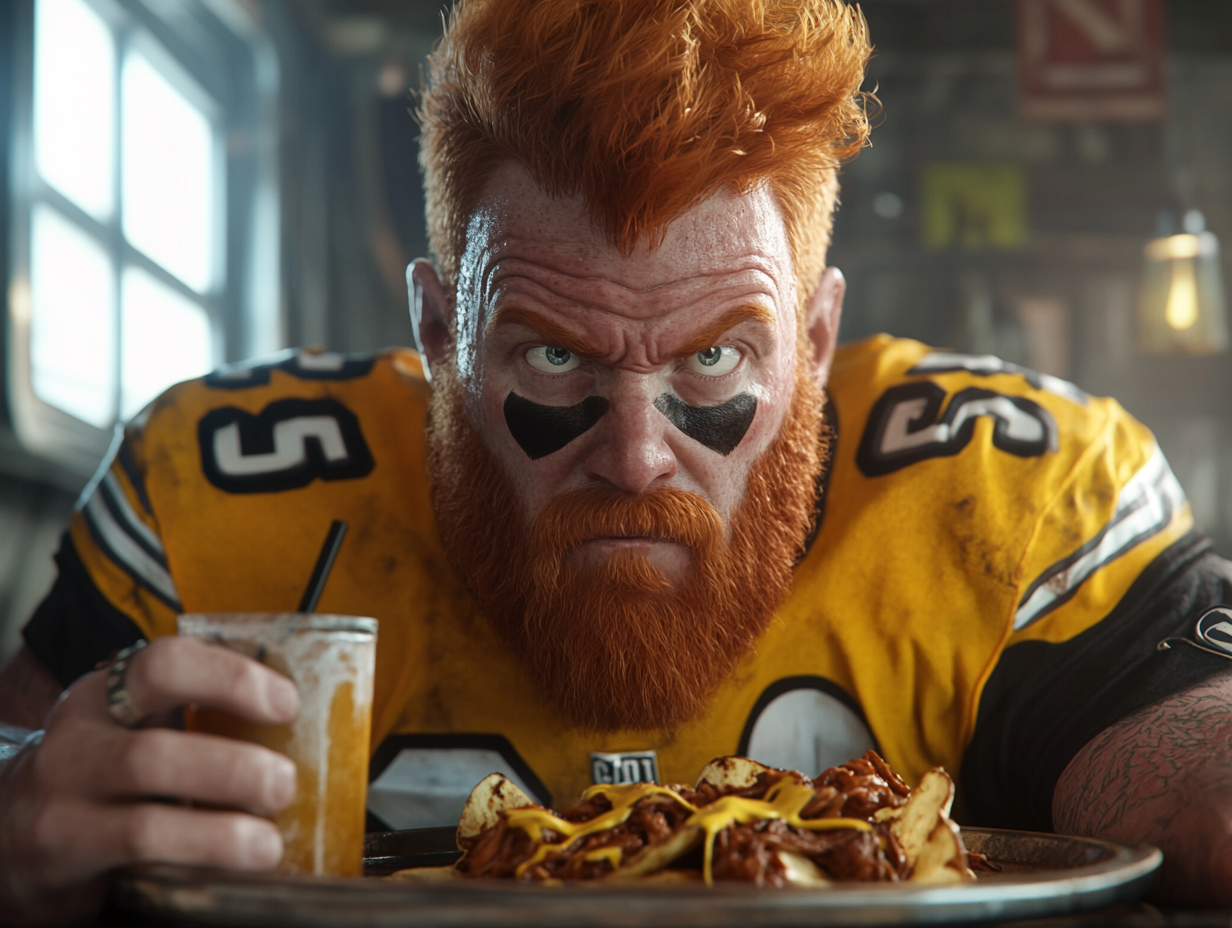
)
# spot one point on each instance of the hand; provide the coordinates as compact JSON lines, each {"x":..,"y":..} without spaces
{"x":79,"y":803}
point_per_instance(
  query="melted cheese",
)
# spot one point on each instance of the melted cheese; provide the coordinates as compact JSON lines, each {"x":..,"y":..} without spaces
{"x":785,"y":800}
{"x":611,"y":854}
{"x":536,"y":821}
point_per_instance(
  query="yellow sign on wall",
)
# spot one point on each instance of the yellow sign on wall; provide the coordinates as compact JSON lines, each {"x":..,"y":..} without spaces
{"x":974,"y":204}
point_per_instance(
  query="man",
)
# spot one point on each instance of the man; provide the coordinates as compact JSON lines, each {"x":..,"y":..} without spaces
{"x":622,"y":527}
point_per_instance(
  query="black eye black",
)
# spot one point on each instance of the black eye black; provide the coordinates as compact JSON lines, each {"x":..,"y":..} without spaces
{"x":558,"y":356}
{"x":710,"y":356}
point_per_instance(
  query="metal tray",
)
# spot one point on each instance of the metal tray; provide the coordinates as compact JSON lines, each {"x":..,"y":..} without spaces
{"x":1044,"y":875}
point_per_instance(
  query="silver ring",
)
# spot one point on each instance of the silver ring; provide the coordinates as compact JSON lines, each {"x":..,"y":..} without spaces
{"x":120,"y":704}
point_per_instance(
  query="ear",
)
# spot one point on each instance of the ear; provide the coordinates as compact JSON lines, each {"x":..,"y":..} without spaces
{"x":822,"y":318}
{"x":431,"y":309}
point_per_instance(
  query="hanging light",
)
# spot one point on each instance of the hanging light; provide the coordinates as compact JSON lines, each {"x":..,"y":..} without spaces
{"x":1182,"y":305}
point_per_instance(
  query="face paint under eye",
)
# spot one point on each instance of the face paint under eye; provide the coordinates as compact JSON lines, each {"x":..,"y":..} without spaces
{"x":720,"y":428}
{"x":541,"y":430}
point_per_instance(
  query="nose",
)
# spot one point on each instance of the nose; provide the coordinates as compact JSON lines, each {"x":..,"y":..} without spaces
{"x":631,"y":452}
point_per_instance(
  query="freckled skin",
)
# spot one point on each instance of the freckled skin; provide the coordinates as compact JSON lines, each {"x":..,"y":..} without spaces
{"x":529,"y":251}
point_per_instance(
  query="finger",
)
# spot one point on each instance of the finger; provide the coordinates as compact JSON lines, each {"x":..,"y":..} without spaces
{"x":174,"y":672}
{"x":111,"y":763}
{"x":80,"y":841}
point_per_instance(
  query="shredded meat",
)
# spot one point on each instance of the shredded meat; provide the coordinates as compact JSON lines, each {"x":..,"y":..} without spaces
{"x":500,"y":850}
{"x":857,"y":789}
{"x":747,"y":852}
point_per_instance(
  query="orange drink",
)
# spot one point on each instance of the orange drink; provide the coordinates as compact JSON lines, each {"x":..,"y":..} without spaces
{"x":330,"y":658}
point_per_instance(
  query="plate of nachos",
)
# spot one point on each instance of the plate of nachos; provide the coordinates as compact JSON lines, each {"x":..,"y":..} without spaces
{"x":745,"y":844}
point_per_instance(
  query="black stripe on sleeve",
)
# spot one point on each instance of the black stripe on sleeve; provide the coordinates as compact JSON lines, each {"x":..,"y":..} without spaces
{"x":1044,"y":702}
{"x":75,"y":626}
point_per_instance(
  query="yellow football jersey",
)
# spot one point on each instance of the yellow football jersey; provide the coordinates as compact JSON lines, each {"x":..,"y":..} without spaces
{"x":971,"y":505}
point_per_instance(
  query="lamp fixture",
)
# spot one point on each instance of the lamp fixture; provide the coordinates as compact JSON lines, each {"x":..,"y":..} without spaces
{"x":1181,"y":310}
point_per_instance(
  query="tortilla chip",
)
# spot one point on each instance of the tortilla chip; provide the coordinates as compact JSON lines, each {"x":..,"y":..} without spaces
{"x":802,"y":872}
{"x":658,"y":856}
{"x":494,"y":793}
{"x":943,"y":859}
{"x":914,"y":821}
{"x":734,"y":772}
{"x":929,"y":839}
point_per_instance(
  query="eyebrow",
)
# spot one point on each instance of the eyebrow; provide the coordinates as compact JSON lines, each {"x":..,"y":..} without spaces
{"x":559,"y":336}
{"x":555,"y":334}
{"x":713,"y":334}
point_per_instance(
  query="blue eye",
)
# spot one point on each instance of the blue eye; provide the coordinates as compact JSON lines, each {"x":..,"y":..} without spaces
{"x":715,"y":361}
{"x":551,"y":359}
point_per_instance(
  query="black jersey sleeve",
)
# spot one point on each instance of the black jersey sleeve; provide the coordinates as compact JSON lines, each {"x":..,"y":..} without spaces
{"x":1045,"y":701}
{"x":75,"y":626}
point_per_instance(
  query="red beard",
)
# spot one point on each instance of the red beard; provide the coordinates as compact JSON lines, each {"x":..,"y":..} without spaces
{"x":619,"y":647}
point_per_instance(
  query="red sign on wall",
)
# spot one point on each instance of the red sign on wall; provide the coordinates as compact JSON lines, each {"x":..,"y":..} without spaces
{"x":1091,"y":60}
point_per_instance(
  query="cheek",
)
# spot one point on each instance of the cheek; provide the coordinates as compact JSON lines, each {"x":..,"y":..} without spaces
{"x":720,"y":428}
{"x":725,"y":478}
{"x":534,"y":480}
{"x":542,"y":430}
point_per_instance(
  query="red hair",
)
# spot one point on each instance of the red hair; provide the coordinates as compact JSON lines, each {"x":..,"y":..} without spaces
{"x":645,"y":108}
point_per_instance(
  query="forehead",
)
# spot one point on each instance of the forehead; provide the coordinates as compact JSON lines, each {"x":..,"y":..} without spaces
{"x":728,"y":240}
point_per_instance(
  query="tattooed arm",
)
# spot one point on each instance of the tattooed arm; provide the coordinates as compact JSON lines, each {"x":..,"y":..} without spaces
{"x":1162,"y":776}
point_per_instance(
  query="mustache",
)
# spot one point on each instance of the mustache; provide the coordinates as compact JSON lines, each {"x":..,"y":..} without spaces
{"x":571,"y":519}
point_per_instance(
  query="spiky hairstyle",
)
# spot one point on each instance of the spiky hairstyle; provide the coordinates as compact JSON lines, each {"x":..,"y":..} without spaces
{"x":645,"y":108}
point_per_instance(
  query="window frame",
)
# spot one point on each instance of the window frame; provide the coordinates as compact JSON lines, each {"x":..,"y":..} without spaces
{"x":210,"y":47}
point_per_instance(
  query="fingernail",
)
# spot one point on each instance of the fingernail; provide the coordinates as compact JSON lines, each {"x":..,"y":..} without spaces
{"x":282,"y":790}
{"x":283,"y":697}
{"x":266,"y":846}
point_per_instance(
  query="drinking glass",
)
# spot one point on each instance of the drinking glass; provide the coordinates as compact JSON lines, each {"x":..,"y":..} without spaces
{"x":331,"y":660}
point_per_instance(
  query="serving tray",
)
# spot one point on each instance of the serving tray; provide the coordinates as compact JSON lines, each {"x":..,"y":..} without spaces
{"x":1044,"y":875}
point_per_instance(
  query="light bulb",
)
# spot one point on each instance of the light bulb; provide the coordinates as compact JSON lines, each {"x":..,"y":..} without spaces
{"x":1182,"y":309}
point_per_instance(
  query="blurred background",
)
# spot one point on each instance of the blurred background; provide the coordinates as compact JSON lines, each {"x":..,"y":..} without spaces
{"x":193,"y":182}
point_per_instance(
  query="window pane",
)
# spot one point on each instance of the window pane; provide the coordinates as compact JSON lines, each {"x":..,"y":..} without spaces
{"x":167,"y":182}
{"x":73,"y":319}
{"x":164,"y":339}
{"x":74,"y":103}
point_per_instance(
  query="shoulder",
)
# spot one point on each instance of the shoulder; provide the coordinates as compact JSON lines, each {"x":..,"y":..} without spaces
{"x":912,"y":404}
{"x":1004,"y":472}
{"x":284,"y":422}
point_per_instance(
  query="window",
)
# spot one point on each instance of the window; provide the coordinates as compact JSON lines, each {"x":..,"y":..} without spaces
{"x":133,"y":276}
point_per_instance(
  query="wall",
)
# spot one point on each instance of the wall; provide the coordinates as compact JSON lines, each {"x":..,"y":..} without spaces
{"x":945,"y":70}
{"x":946,"y":73}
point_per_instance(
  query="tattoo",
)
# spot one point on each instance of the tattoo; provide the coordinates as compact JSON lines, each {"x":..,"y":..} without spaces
{"x":1162,"y":776}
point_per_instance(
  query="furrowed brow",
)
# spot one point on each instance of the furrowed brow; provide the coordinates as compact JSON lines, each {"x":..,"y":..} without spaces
{"x":713,"y":334}
{"x":552,"y":331}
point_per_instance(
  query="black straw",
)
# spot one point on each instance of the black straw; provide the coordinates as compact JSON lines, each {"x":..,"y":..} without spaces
{"x":325,"y":561}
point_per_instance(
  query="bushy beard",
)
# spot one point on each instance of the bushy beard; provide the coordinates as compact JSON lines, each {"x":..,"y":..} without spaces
{"x":618,"y":646}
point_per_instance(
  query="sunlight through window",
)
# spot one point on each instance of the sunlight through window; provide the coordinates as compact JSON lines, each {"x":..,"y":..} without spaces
{"x":74,"y":104}
{"x":73,"y":319}
{"x":121,"y":131}
{"x":164,"y":339}
{"x":167,"y":174}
